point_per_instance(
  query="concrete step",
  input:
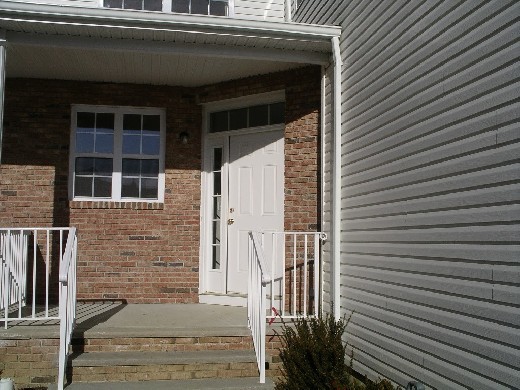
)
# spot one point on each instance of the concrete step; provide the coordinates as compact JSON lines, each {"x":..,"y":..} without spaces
{"x":100,"y":359}
{"x":194,"y":384}
{"x":191,"y":342}
{"x":148,"y":366}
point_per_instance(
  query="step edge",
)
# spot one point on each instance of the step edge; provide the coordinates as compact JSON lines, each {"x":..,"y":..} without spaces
{"x":145,"y":358}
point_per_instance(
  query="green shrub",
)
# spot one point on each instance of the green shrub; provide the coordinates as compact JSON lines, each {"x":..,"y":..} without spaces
{"x":381,"y":384}
{"x":313,"y":355}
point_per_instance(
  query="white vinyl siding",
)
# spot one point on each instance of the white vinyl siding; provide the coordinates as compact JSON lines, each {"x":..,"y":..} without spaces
{"x":73,"y":3}
{"x":271,"y":10}
{"x":430,"y":188}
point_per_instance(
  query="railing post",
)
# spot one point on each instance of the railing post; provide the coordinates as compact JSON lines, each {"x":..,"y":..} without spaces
{"x":35,"y":247}
{"x":63,"y":335}
{"x":305,"y":275}
{"x":7,"y":287}
{"x":2,"y":280}
{"x":249,"y":279}
{"x":263,"y":321}
{"x":317,"y":275}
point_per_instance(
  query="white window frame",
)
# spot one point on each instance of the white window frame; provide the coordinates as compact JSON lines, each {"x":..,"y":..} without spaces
{"x":167,"y":8}
{"x":117,"y":154}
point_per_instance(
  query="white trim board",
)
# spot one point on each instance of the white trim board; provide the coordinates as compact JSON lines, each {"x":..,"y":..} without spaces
{"x":174,"y":48}
{"x":228,"y":300}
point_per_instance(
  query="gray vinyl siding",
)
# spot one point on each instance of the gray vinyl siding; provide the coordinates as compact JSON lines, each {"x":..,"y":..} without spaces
{"x":430,"y":246}
{"x":271,"y":10}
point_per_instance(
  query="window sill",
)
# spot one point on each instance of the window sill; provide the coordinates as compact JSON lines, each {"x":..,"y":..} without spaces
{"x":108,"y":204}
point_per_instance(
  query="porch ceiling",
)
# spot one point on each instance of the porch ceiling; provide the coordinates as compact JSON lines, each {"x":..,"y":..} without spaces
{"x":96,"y":44}
{"x":131,"y":66}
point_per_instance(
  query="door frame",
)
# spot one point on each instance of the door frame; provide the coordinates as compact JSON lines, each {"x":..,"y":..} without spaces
{"x":209,"y":142}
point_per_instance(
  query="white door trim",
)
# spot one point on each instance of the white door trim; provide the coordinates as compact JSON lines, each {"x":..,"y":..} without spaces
{"x":210,"y":141}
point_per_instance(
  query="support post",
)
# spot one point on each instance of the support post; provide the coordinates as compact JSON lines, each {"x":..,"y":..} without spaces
{"x":3,"y":43}
{"x":288,"y":10}
{"x":336,"y":183}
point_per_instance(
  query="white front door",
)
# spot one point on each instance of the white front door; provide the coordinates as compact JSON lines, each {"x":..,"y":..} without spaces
{"x":256,"y":193}
{"x":247,"y":194}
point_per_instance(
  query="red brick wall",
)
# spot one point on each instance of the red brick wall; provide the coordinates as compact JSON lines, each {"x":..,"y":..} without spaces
{"x":31,"y":363}
{"x":130,"y":251}
{"x":141,"y":252}
{"x":302,"y":114}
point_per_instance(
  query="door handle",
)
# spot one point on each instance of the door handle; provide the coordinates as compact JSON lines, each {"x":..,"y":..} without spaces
{"x":230,"y":221}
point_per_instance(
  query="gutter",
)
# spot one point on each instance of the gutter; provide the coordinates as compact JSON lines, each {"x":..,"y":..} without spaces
{"x":39,"y":13}
{"x":336,"y":174}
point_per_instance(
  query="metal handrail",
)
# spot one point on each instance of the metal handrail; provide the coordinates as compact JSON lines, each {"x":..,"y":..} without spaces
{"x":67,"y":279}
{"x":67,"y":256}
{"x":256,"y":299}
{"x":261,"y":257}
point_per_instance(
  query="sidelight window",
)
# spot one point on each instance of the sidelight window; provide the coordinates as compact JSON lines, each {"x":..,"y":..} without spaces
{"x":217,"y":208}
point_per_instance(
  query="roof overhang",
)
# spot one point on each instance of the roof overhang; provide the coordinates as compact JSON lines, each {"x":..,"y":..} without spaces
{"x":36,"y":34}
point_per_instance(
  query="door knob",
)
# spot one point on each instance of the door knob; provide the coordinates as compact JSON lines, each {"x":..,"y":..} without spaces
{"x":230,"y":221}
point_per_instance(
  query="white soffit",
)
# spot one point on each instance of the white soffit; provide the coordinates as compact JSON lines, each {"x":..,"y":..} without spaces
{"x":132,"y":67}
{"x":100,"y":44}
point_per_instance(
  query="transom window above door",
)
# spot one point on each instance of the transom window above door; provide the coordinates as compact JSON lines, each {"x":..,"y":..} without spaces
{"x":245,"y":117}
{"x":198,"y":7}
{"x":117,"y":153}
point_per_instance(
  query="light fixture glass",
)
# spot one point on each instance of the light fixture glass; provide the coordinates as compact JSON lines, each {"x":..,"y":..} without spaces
{"x":184,"y":137}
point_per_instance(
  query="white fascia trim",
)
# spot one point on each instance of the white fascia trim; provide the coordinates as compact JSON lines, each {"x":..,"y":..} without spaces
{"x":160,"y":47}
{"x":118,"y":18}
{"x":336,"y":184}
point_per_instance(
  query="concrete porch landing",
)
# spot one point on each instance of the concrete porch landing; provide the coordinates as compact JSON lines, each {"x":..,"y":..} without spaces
{"x":116,"y":319}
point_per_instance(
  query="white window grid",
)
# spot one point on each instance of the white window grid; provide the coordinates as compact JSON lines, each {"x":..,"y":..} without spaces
{"x":168,"y":4}
{"x":117,"y":156}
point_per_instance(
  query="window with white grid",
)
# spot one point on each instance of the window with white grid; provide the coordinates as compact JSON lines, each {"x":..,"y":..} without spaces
{"x":117,"y":153}
{"x":197,"y":7}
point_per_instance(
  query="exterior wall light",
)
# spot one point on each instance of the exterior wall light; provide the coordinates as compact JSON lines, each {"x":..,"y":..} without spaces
{"x":184,"y":137}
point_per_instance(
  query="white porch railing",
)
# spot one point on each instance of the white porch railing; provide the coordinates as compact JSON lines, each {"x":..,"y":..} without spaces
{"x":287,"y":280}
{"x":13,"y":270}
{"x":30,"y":260}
